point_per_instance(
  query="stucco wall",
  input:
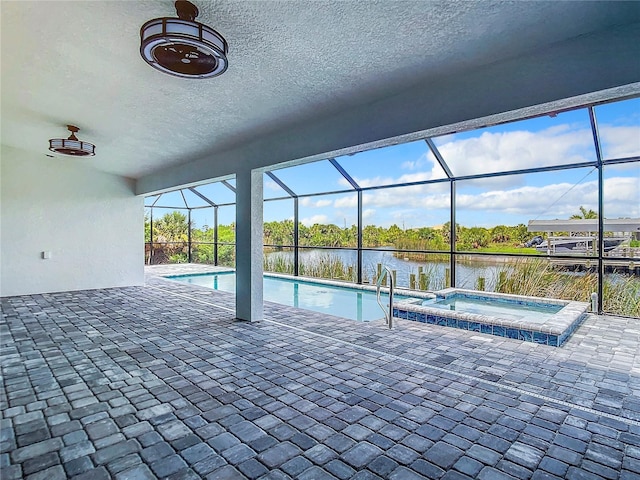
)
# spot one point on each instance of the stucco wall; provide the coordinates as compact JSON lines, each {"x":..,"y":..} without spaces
{"x":91,"y":222}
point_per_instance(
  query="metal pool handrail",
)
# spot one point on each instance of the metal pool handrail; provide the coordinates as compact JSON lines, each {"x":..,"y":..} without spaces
{"x":388,"y":315}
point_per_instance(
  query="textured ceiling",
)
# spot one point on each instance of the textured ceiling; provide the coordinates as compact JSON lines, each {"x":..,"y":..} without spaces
{"x":290,"y":62}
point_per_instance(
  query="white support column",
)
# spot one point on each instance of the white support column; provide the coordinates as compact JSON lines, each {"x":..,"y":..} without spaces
{"x":249,"y":199}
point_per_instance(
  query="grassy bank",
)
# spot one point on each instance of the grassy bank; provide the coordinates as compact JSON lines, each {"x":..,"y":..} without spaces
{"x":539,"y":279}
{"x":326,"y":266}
{"x":532,"y":277}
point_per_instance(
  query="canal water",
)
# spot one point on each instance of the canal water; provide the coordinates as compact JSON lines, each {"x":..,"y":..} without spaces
{"x":467,"y":271}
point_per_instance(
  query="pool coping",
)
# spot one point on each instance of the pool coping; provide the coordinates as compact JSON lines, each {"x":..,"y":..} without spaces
{"x":554,"y":331}
{"x":323,"y":281}
{"x":342,"y":284}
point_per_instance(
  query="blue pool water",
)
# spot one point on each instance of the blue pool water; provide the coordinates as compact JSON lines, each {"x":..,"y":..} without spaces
{"x":340,"y":301}
{"x":536,"y":313}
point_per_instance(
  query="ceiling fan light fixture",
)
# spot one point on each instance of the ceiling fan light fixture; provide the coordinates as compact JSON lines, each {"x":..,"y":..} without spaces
{"x":183,"y":47}
{"x":72,"y":146}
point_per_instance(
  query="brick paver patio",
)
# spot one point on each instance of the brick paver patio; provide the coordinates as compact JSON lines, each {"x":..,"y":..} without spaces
{"x":161,"y":382}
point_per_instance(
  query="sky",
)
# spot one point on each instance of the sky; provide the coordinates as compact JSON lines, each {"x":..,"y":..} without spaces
{"x":508,"y":200}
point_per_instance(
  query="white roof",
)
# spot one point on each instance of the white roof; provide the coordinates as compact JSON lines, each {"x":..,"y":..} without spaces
{"x":585,"y":225}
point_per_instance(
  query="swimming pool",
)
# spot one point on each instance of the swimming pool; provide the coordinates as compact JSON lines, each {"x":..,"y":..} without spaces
{"x":546,"y":321}
{"x":324,"y":297}
{"x":532,"y":313}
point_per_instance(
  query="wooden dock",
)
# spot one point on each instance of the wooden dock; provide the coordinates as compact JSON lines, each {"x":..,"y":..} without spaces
{"x":631,"y":266}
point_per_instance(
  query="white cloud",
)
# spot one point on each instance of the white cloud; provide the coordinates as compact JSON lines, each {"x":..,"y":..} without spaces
{"x":547,"y":201}
{"x":558,"y":200}
{"x":433,"y":174}
{"x":421,"y":169}
{"x":622,"y":197}
{"x":425,"y":160}
{"x":514,"y":150}
{"x":496,"y":152}
{"x":619,"y":142}
{"x":273,"y":186}
{"x":349,"y":201}
{"x":344,"y":183}
{"x":311,"y":203}
{"x":510,"y":206}
{"x":368,"y":213}
{"x":417,"y":196}
{"x":320,"y":219}
{"x":504,"y":198}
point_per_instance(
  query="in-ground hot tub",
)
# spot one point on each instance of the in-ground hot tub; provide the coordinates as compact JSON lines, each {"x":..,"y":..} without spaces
{"x":540,"y":320}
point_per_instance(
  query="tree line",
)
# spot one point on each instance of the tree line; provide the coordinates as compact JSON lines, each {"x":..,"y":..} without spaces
{"x":172,"y":232}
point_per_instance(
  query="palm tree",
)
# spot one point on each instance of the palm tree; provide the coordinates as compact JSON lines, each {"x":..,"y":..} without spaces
{"x":171,"y":233}
{"x":584,"y":214}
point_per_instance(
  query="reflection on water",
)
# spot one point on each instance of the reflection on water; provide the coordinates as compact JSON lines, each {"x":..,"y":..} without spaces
{"x":467,"y":272}
{"x":536,"y":313}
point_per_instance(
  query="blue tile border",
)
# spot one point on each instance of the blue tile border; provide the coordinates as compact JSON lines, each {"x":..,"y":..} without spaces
{"x":539,"y":337}
{"x":525,"y":335}
{"x":554,"y":332}
{"x":512,"y":333}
